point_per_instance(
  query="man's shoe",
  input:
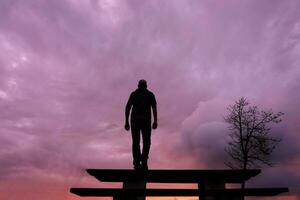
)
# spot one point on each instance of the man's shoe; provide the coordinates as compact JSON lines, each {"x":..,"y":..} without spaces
{"x":144,"y":165}
{"x":137,"y":165}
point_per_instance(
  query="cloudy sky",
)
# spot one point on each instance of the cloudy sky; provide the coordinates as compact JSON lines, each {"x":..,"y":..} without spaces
{"x":67,"y":68}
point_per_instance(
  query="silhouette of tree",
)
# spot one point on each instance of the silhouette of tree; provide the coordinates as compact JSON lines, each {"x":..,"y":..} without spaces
{"x":251,"y":144}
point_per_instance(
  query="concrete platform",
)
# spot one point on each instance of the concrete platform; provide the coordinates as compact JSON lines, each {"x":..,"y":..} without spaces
{"x":211,"y":184}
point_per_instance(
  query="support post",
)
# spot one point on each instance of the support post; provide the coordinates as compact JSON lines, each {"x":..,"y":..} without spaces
{"x":215,"y":184}
{"x":138,"y":181}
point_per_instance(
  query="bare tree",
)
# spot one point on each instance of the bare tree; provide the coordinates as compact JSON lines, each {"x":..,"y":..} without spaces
{"x":251,"y":144}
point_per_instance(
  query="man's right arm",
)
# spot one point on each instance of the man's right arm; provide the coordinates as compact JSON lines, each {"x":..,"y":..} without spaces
{"x":127,"y":112}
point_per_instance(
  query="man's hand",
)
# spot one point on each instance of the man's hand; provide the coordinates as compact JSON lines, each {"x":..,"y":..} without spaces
{"x":127,"y":127}
{"x":154,"y":125}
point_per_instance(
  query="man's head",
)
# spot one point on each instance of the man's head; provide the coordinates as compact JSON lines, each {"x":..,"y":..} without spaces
{"x":142,"y":84}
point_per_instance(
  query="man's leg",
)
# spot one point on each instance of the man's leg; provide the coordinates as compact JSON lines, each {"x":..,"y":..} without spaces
{"x":146,"y":134}
{"x":136,"y":151}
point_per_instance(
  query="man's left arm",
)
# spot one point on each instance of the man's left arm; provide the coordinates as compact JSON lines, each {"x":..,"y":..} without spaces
{"x":154,"y":109}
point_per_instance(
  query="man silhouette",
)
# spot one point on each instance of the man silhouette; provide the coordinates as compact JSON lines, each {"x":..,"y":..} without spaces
{"x":141,"y":100}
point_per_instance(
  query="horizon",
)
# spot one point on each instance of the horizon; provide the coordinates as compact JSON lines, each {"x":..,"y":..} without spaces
{"x":68,"y":67}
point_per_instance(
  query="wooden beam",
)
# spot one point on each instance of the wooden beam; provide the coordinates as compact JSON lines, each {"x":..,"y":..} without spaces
{"x":109,"y":192}
{"x":173,"y":176}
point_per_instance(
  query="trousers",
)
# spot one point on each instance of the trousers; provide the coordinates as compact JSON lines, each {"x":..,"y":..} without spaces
{"x":140,"y":127}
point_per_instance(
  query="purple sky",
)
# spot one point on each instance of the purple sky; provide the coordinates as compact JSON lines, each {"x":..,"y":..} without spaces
{"x":67,"y":68}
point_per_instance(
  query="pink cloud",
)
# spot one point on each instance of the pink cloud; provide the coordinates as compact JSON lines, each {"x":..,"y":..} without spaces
{"x":68,"y":67}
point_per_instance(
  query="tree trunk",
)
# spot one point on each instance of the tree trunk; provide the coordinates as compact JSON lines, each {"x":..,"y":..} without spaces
{"x":244,"y":182}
